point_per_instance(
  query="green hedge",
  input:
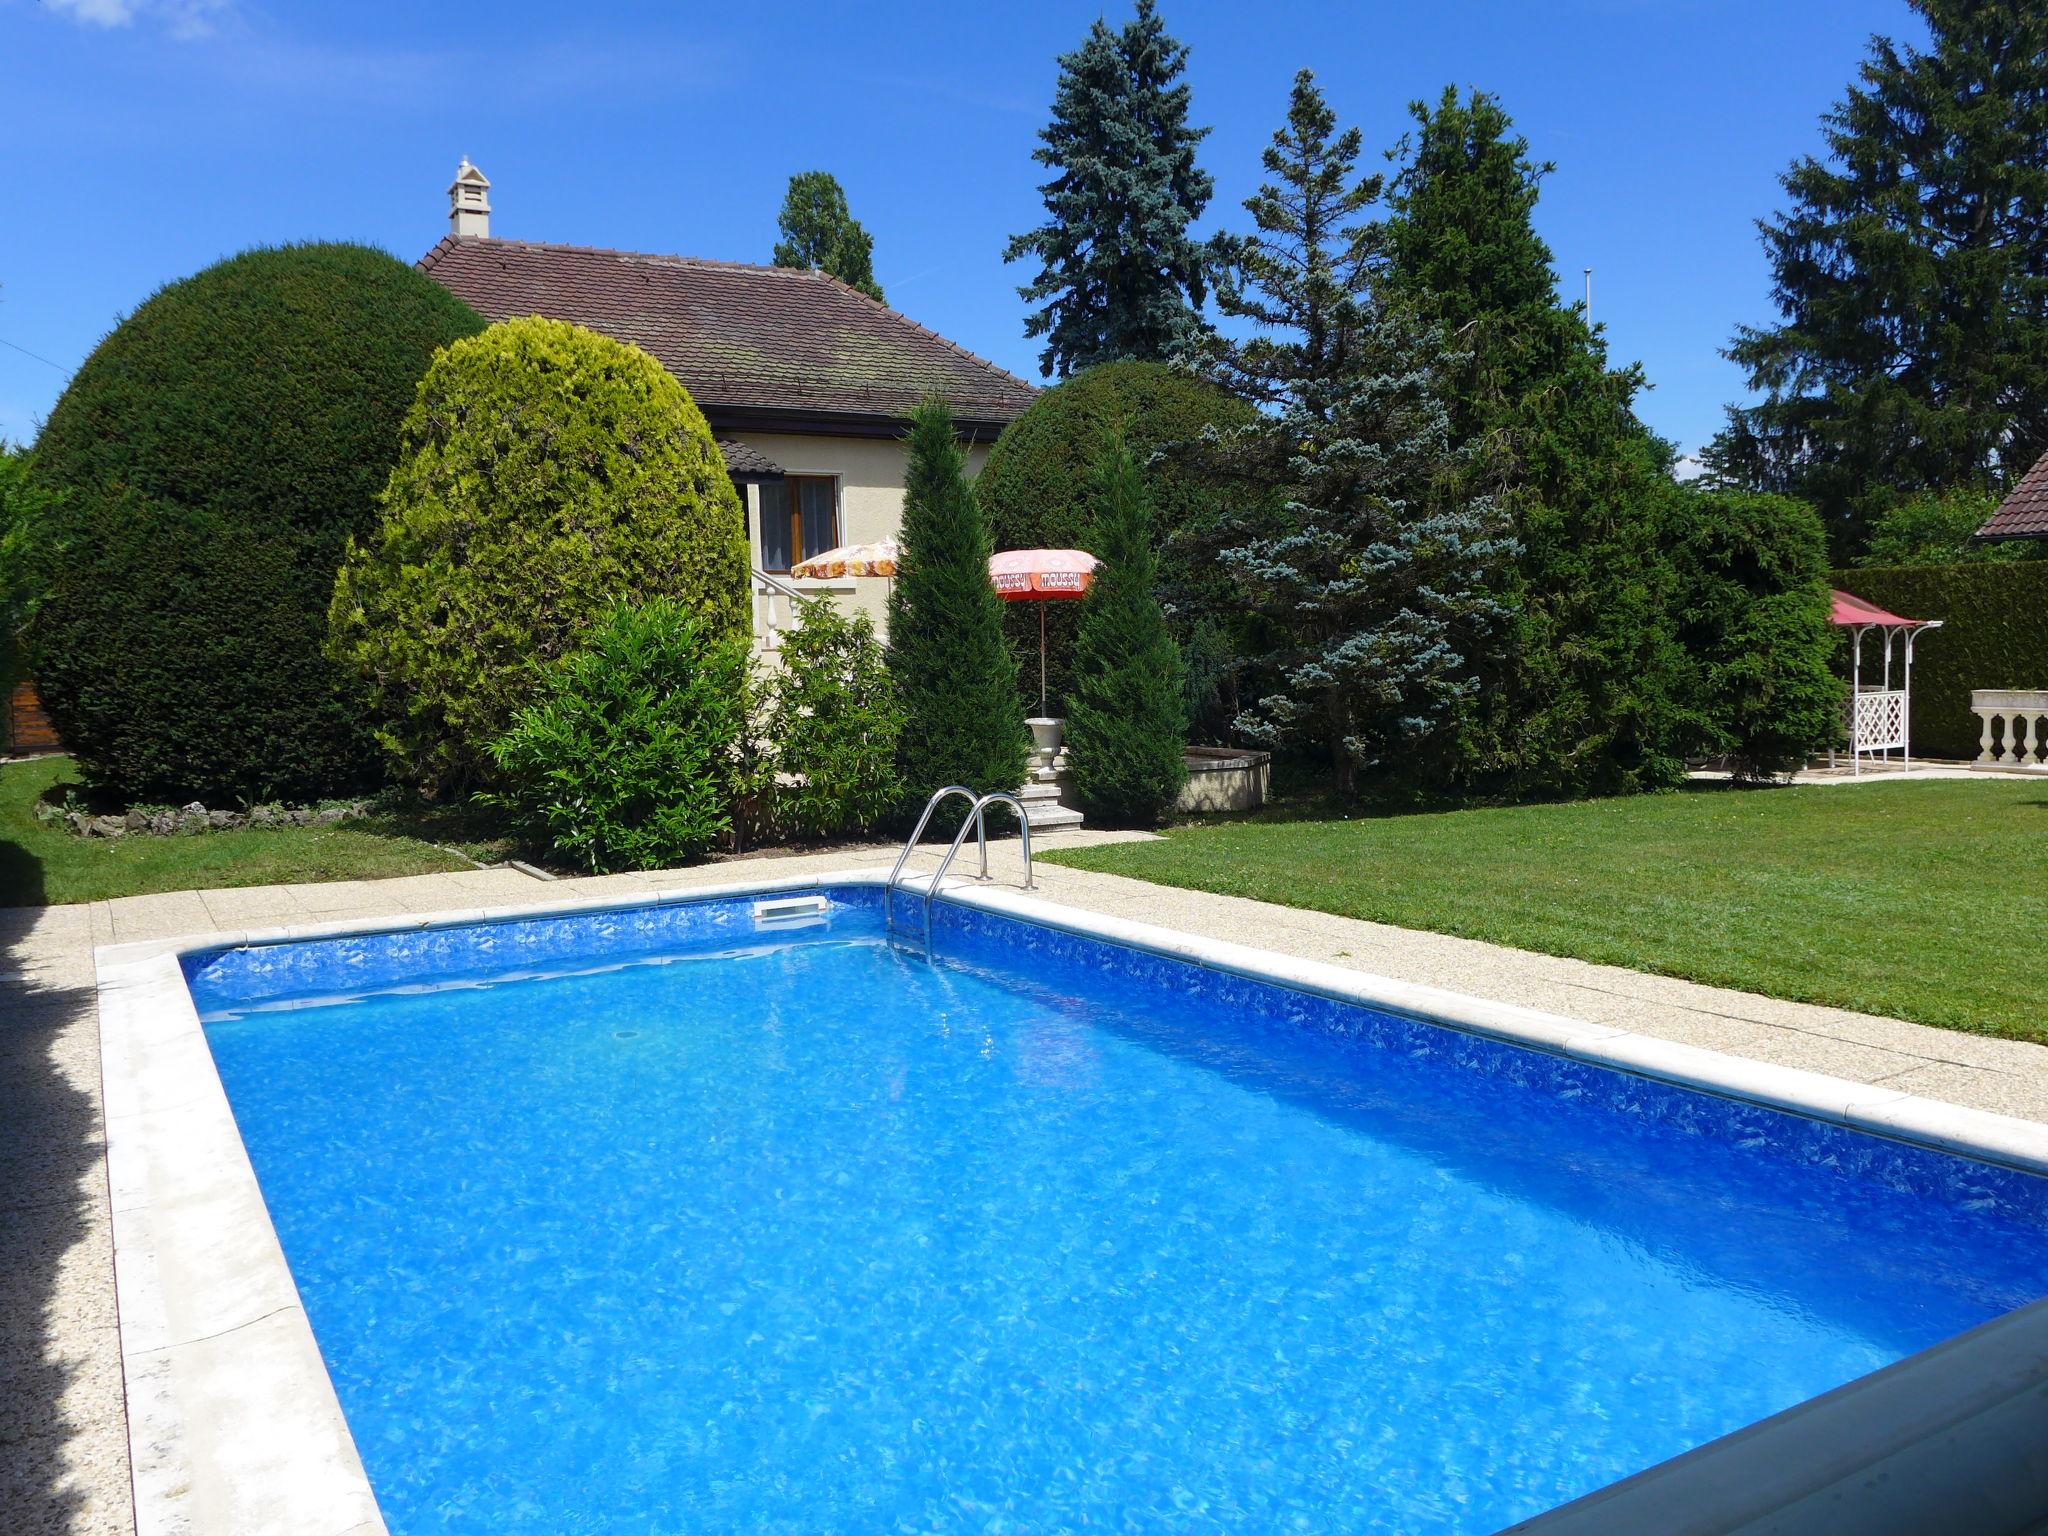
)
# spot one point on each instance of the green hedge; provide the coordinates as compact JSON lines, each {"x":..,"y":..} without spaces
{"x":1994,"y":634}
{"x":209,"y":462}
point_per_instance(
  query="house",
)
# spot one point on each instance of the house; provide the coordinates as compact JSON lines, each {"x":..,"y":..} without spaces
{"x":807,"y":383}
{"x":2024,"y":513}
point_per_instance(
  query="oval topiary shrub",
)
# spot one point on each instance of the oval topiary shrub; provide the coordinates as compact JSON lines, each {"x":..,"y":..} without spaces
{"x":546,"y":474}
{"x":1751,"y":601}
{"x":211,"y":459}
{"x":1036,"y":490}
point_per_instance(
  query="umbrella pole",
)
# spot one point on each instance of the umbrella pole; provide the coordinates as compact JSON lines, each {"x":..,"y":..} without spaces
{"x":1041,"y":661}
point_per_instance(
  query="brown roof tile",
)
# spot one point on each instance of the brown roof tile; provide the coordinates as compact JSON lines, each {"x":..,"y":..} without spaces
{"x":744,"y":463}
{"x":2023,"y":514}
{"x":740,"y":337}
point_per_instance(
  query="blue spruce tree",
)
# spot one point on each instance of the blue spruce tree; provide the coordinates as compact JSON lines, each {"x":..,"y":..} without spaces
{"x":1120,"y":276}
{"x":1378,"y":564}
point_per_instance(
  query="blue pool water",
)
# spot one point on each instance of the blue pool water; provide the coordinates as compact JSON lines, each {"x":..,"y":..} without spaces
{"x":651,"y":1222}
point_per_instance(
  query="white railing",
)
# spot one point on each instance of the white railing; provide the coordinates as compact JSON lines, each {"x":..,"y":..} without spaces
{"x":2010,"y":729}
{"x":1878,"y":719}
{"x":775,"y":608}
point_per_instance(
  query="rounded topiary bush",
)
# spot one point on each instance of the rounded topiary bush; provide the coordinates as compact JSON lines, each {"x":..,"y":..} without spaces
{"x":546,"y":474}
{"x":209,"y":462}
{"x":1752,"y":605}
{"x":1037,"y":489}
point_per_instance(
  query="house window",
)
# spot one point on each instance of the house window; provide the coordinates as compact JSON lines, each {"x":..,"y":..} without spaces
{"x":799,"y":519}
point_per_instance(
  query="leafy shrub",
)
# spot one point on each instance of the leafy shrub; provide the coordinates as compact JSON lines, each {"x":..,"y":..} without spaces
{"x":832,"y":726}
{"x":1939,"y":528}
{"x":1035,"y":489}
{"x":954,"y":676}
{"x":1127,"y":725}
{"x":210,"y":460}
{"x":1994,"y":634}
{"x":629,"y":758}
{"x":24,"y":501}
{"x":545,"y":473}
{"x":1752,"y":605}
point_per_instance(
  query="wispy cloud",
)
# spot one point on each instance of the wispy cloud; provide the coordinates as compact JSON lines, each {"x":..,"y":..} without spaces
{"x":185,"y":19}
{"x":535,"y":73}
{"x":252,"y":53}
{"x":1688,"y":467}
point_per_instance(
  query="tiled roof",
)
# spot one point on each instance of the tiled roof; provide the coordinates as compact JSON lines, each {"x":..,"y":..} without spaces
{"x":744,"y":463}
{"x":740,"y":337}
{"x":2023,"y":514}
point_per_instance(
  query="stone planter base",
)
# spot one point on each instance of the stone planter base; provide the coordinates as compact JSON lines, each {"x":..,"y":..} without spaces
{"x":1225,"y":779}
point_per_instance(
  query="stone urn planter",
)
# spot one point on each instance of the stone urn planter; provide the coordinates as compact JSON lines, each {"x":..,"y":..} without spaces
{"x":1047,"y":777}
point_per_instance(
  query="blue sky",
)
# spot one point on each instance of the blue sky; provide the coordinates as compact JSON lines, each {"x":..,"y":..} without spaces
{"x":149,"y":137}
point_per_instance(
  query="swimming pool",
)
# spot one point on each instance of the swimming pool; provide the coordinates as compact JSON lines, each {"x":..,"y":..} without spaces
{"x":661,"y":1219}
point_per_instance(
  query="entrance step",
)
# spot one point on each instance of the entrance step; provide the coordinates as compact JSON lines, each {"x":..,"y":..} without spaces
{"x":1042,"y":808}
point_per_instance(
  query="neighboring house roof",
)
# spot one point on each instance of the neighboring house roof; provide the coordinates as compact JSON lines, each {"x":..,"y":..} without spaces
{"x":774,"y":347}
{"x":2023,"y":514}
{"x":744,"y":463}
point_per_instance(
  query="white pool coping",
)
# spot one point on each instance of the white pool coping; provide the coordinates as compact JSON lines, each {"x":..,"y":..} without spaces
{"x":234,"y":1427}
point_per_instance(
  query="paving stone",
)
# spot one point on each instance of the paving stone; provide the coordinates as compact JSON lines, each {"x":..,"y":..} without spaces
{"x":2001,"y":1092}
{"x":160,"y":917}
{"x":58,"y":1282}
{"x":269,"y":906}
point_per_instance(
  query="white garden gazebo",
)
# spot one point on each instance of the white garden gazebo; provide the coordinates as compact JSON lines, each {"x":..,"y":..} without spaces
{"x":1880,"y":716}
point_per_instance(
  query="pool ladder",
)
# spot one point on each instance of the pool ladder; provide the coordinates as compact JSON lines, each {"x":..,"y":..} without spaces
{"x":975,"y":818}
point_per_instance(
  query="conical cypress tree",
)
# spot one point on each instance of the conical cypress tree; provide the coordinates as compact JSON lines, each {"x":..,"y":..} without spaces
{"x":820,"y":232}
{"x":954,"y":676}
{"x":1578,"y":696}
{"x":1127,"y":723}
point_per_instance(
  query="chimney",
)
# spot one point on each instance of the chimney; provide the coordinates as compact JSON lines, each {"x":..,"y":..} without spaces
{"x":469,"y":202}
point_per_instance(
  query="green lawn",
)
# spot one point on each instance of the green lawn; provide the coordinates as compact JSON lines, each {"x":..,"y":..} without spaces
{"x":42,"y":864}
{"x":1920,"y":900}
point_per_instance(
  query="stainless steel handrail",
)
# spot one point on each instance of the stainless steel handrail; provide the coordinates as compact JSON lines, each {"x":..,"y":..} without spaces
{"x":931,"y":892}
{"x":973,"y":817}
{"x":794,"y":594}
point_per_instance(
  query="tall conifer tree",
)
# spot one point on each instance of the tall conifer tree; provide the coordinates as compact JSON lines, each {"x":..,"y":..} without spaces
{"x":1377,"y":566}
{"x":955,"y":678}
{"x":820,"y":232}
{"x":1579,"y":697}
{"x":1911,"y":271}
{"x":1127,"y":727}
{"x":1120,"y":276}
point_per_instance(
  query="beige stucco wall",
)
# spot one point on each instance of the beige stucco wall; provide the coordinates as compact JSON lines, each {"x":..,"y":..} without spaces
{"x":870,"y":475}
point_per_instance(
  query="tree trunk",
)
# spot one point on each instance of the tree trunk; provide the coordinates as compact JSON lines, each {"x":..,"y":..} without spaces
{"x":1342,"y":765}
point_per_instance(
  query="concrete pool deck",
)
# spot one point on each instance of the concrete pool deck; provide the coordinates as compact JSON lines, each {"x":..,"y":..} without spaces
{"x":63,"y":1427}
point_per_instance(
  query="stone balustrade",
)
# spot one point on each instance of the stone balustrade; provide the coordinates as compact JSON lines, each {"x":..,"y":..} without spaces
{"x":2012,"y":726}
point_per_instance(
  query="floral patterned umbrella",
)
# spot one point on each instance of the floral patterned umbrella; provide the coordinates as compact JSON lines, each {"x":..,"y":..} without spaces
{"x":876,"y":559}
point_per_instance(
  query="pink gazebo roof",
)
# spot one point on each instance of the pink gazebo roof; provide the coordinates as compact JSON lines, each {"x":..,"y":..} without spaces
{"x":1853,"y":610}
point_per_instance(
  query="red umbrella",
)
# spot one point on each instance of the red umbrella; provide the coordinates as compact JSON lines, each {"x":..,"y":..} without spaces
{"x":1037,"y":576}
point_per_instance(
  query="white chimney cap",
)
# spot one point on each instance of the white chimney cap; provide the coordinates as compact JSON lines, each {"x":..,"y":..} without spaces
{"x":469,"y":202}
